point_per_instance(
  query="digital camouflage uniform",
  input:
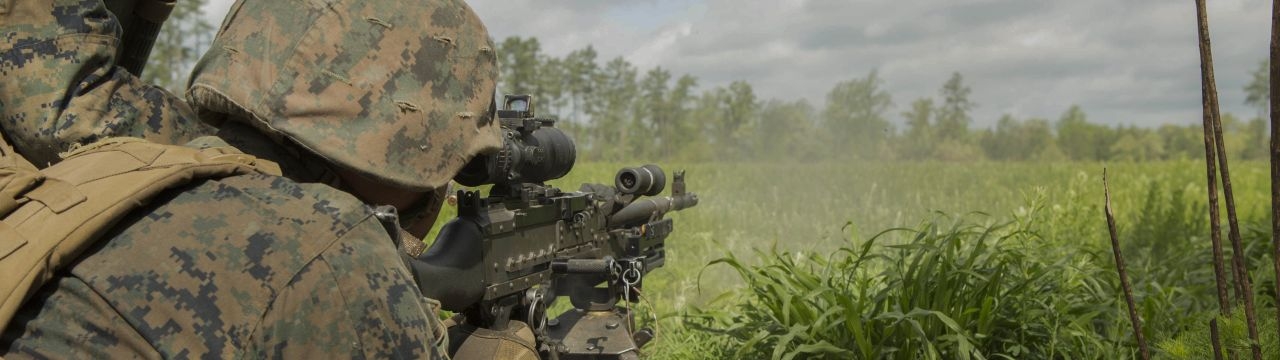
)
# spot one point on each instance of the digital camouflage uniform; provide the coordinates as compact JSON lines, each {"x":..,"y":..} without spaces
{"x":61,"y":85}
{"x":251,"y":266}
{"x":257,"y":265}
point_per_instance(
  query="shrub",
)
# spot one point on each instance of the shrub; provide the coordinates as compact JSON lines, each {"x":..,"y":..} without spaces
{"x":957,"y":291}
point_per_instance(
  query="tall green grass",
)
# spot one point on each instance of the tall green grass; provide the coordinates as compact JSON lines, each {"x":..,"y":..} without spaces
{"x":801,"y":257}
{"x":1196,"y":342}
{"x":1035,"y":283}
{"x":954,"y":289}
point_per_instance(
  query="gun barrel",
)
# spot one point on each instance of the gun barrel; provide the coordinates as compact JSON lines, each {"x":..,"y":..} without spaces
{"x":642,"y":210}
{"x":648,"y":180}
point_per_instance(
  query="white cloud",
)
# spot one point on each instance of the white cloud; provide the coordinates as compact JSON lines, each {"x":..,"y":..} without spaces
{"x":654,"y":52}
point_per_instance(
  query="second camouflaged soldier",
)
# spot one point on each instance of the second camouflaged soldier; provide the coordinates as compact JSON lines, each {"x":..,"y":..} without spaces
{"x":59,"y":83}
{"x":360,"y":102}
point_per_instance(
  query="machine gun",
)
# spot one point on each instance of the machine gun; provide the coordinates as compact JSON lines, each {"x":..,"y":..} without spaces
{"x":509,"y":255}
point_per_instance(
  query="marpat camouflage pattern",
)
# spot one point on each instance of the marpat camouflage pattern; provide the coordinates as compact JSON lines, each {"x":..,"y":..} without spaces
{"x":399,"y":91}
{"x":252,"y":266}
{"x":61,"y":86}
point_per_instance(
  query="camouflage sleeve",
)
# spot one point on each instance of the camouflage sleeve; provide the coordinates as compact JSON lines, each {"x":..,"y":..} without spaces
{"x":355,"y":301}
{"x":61,"y":86}
{"x":83,"y":325}
{"x":251,"y":266}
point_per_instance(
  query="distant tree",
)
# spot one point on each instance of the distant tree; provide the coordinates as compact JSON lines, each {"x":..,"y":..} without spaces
{"x":785,"y":131}
{"x":182,"y":40}
{"x":1256,"y":139}
{"x":1136,"y":144}
{"x":1258,"y":91}
{"x":703,"y":139}
{"x":854,"y":116}
{"x":579,"y":81}
{"x":1016,"y":140}
{"x":741,"y":110}
{"x":1000,"y":143}
{"x":549,"y":88}
{"x":1237,"y":138}
{"x":952,"y":123}
{"x":1038,"y":141}
{"x":654,"y":106}
{"x":519,"y":62}
{"x":918,"y":140}
{"x":612,"y":114}
{"x":1182,"y":142}
{"x":652,"y":110}
{"x":953,"y":116}
{"x":681,"y":129}
{"x":1082,"y":140}
{"x":616,"y":111}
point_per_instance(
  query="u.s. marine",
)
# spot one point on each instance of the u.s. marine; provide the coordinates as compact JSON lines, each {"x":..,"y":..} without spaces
{"x":360,"y":102}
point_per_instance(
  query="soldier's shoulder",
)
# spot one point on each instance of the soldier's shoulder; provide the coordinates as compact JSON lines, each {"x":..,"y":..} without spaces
{"x":253,"y":197}
{"x":347,"y":294}
{"x":265,"y":226}
{"x":219,"y":254}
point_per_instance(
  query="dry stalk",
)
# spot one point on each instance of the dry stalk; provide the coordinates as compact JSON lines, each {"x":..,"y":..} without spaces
{"x":1209,"y":94}
{"x":1213,"y":336}
{"x":1124,"y":275}
{"x":1274,"y":104}
{"x":1219,"y":270}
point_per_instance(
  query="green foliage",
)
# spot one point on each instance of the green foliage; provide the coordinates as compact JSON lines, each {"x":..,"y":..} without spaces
{"x":854,"y":117}
{"x":737,"y":116}
{"x":1080,"y":139}
{"x":1037,"y":283}
{"x":181,"y":42}
{"x":1256,"y":139}
{"x":1015,"y":140}
{"x":953,"y":116}
{"x":1046,"y":227}
{"x":1233,"y":337}
{"x":953,"y":290}
{"x":521,"y":66}
{"x":780,"y":117}
{"x":920,"y":129}
{"x":611,"y":115}
{"x":1258,"y":91}
{"x":617,"y":111}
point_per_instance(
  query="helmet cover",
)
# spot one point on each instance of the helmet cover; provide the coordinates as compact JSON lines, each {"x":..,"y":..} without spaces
{"x":398,"y":91}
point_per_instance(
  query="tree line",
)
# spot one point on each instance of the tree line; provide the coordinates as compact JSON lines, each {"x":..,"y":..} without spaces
{"x":616,"y":111}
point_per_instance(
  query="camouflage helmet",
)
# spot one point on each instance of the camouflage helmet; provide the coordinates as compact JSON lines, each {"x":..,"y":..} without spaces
{"x":398,"y":91}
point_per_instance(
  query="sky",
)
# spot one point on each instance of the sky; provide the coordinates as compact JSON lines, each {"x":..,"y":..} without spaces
{"x":1132,"y":62}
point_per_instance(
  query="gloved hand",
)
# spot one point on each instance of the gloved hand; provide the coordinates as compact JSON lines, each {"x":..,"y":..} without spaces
{"x":467,"y":342}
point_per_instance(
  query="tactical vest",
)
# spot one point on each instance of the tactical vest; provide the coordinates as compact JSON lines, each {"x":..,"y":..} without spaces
{"x":49,"y":217}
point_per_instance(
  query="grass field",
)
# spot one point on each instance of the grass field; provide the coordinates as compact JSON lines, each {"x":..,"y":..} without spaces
{"x":989,"y":260}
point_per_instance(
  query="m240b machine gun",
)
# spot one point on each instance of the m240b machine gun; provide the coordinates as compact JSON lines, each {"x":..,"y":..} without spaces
{"x":509,"y":255}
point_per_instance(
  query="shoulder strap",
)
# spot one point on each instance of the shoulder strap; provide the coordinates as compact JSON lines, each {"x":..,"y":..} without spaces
{"x":17,"y":176}
{"x":48,"y":217}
